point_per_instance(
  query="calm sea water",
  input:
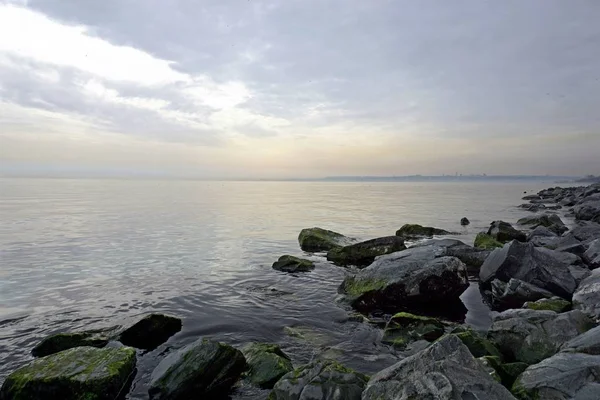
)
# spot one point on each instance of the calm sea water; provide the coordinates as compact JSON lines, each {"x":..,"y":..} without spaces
{"x":78,"y":254}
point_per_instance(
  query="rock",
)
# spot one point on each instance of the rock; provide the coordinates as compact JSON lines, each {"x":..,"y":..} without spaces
{"x":587,"y":296}
{"x":564,"y":257}
{"x":542,"y":236}
{"x":504,"y":373}
{"x":416,"y":231}
{"x":533,"y":207}
{"x":579,"y":273}
{"x":289,"y":263}
{"x":317,"y":239}
{"x":266,"y":364}
{"x":473,"y":257}
{"x":588,"y":343}
{"x":555,"y":304}
{"x":525,"y":262}
{"x":203,"y":369}
{"x":550,"y":221}
{"x":445,"y":370}
{"x":477,"y":344}
{"x":364,"y":253}
{"x":485,"y":241}
{"x":530,"y":336}
{"x":504,"y":232}
{"x":592,"y":254}
{"x":563,"y":376}
{"x":321,"y":380}
{"x":404,"y":328}
{"x":513,"y":294}
{"x":588,"y":211}
{"x":586,"y":231}
{"x":531,"y":197}
{"x":464,"y":221}
{"x":151,"y":331}
{"x":417,"y":278}
{"x":76,"y":374}
{"x":63,"y":341}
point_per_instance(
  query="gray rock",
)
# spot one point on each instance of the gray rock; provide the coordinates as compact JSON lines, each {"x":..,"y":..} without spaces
{"x":563,"y":376}
{"x":444,"y":371}
{"x":564,"y":257}
{"x":515,"y":293}
{"x":525,"y":262}
{"x":504,"y":232}
{"x":586,"y":231}
{"x":318,"y":239}
{"x":364,"y":253}
{"x":203,"y":369}
{"x":588,"y":342}
{"x":531,"y":197}
{"x":473,"y":257}
{"x":533,"y":207}
{"x":579,"y":273}
{"x":530,"y":336}
{"x":588,"y":211}
{"x":151,"y":331}
{"x":541,"y":236}
{"x":587,"y":295}
{"x":550,"y":221}
{"x":289,"y":263}
{"x":322,"y":380}
{"x":592,"y":254}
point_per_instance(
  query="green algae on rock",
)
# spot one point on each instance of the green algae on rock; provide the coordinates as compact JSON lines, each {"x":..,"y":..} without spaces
{"x":485,"y":241}
{"x":67,"y":340}
{"x":555,"y":304}
{"x":477,"y":344}
{"x":364,"y":253}
{"x":318,"y":239}
{"x":151,"y":331}
{"x":80,"y":373}
{"x":266,"y":364}
{"x":289,"y":263}
{"x":404,"y":328}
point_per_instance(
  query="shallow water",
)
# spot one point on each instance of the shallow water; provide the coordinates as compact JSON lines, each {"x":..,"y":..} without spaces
{"x":79,"y":254}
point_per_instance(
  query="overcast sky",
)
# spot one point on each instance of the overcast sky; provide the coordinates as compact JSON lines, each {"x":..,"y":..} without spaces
{"x":300,"y":88}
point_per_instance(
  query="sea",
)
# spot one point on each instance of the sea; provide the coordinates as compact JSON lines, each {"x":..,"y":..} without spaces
{"x":80,"y":254}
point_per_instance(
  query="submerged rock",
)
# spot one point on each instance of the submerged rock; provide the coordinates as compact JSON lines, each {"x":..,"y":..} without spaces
{"x":555,"y":304}
{"x":266,"y":364}
{"x":289,"y":263}
{"x":530,"y":336}
{"x":587,"y":296}
{"x":485,"y":241}
{"x":416,"y":231}
{"x":318,"y":239}
{"x":321,"y":380}
{"x":404,"y":328}
{"x":79,"y":373}
{"x":67,"y":340}
{"x":464,"y":221}
{"x":504,"y":232}
{"x":563,"y":376}
{"x":446,"y":370}
{"x":151,"y":331}
{"x":364,"y":253}
{"x":203,"y":369}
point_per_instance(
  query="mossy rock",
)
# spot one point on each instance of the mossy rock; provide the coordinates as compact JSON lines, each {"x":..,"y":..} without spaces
{"x":266,"y":364}
{"x":364,"y":253}
{"x":404,"y":328}
{"x":318,"y":239}
{"x":81,"y":373}
{"x":555,"y":304}
{"x":416,"y":231}
{"x":478,"y":345}
{"x":289,"y":263}
{"x":485,"y":241}
{"x":68,"y":340}
{"x":150,"y":332}
{"x":507,"y":373}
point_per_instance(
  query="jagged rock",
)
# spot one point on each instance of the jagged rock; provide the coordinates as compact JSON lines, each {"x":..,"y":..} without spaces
{"x":485,"y":241}
{"x":579,"y":273}
{"x":555,"y":304}
{"x":586,"y":231}
{"x":541,"y":236}
{"x":416,"y":231}
{"x":563,"y":376}
{"x":514,"y":293}
{"x":203,"y":369}
{"x":592,"y":254}
{"x":446,"y":370}
{"x":76,"y":374}
{"x":151,"y":331}
{"x":504,"y":232}
{"x":588,"y":342}
{"x":67,"y":340}
{"x":321,"y":380}
{"x":289,"y":263}
{"x":473,"y":257}
{"x":318,"y":239}
{"x":267,"y":363}
{"x":364,"y":253}
{"x":530,"y":336}
{"x":464,"y":221}
{"x":587,"y":295}
{"x":550,"y":221}
{"x":404,"y":328}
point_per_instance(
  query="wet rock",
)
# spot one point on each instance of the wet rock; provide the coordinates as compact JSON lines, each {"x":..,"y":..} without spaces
{"x":541,"y":236}
{"x":530,"y":336}
{"x":289,"y":263}
{"x":485,"y":241}
{"x":592,"y":254}
{"x":416,"y":231}
{"x":417,"y":278}
{"x":550,"y":221}
{"x":563,"y":376}
{"x":203,"y":369}
{"x":478,"y":345}
{"x":267,"y":363}
{"x":504,"y":232}
{"x":321,"y":380}
{"x":318,"y":239}
{"x":63,"y":341}
{"x":588,"y":343}
{"x":587,"y":296}
{"x":151,"y":331}
{"x":525,"y":262}
{"x":555,"y":304}
{"x":364,"y":253}
{"x":464,"y":221}
{"x":404,"y":328}
{"x":446,"y":370}
{"x":78,"y":373}
{"x":514,"y":293}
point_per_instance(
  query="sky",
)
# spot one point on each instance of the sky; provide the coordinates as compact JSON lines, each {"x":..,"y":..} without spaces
{"x":299,"y":88}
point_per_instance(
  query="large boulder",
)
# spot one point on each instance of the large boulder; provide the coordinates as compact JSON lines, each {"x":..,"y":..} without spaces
{"x":523,"y":261}
{"x":289,"y":263}
{"x":267,"y":363}
{"x":587,"y":296}
{"x":67,"y":340}
{"x":446,"y":370}
{"x":561,"y":377}
{"x":504,"y":232}
{"x":416,"y":231}
{"x":550,"y":221}
{"x":513,"y":294}
{"x":151,"y":331}
{"x":81,"y":373}
{"x":417,"y":278}
{"x":404,"y":328}
{"x":364,"y":253}
{"x":530,"y":336}
{"x":321,"y":380}
{"x":592,"y":254}
{"x":203,"y":369}
{"x":485,"y":241}
{"x":318,"y":239}
{"x":588,"y":343}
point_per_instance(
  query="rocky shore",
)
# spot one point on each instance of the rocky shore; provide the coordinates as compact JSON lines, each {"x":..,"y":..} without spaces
{"x":539,"y":275}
